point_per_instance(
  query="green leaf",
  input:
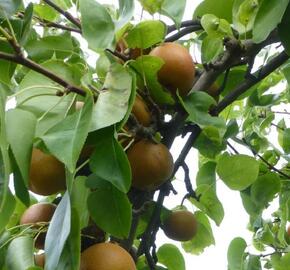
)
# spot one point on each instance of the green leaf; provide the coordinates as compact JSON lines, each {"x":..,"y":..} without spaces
{"x":236,"y":253}
{"x":8,"y":7}
{"x":280,"y":262}
{"x":283,"y":30}
{"x":110,"y":162}
{"x":220,"y":8}
{"x":174,"y":10}
{"x":21,"y":142}
{"x":252,"y":263}
{"x":112,"y":103}
{"x":238,"y":171}
{"x":197,"y":105}
{"x":147,"y":67}
{"x":216,"y":27}
{"x":268,"y":17}
{"x":70,"y":257}
{"x":65,"y":140}
{"x":37,"y":94}
{"x":244,"y":14}
{"x":20,"y":253}
{"x":206,"y":175}
{"x":7,"y":207}
{"x":170,"y":256}
{"x":7,"y":68}
{"x":152,"y":6}
{"x":146,"y":34}
{"x":27,"y":19}
{"x":46,"y":12}
{"x":203,"y":238}
{"x":209,"y":203}
{"x":212,"y":46}
{"x":285,"y":143}
{"x":126,"y":11}
{"x":110,"y":209}
{"x":265,"y":188}
{"x":45,"y":48}
{"x":250,"y":206}
{"x":97,"y":25}
{"x":59,"y":226}
{"x":79,"y":196}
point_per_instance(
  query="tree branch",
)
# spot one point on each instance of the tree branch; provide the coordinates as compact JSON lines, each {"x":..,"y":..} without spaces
{"x":183,"y":32}
{"x":188,"y":23}
{"x":251,"y":81}
{"x":38,"y":68}
{"x":64,"y":13}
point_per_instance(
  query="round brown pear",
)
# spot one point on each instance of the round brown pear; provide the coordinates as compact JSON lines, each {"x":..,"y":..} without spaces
{"x":37,"y":213}
{"x":180,"y":225}
{"x":151,"y":164}
{"x":141,"y":111}
{"x":47,"y":174}
{"x":106,"y":256}
{"x":178,"y":71}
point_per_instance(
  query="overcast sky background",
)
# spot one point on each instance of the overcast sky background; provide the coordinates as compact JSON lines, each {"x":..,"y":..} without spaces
{"x":236,"y":219}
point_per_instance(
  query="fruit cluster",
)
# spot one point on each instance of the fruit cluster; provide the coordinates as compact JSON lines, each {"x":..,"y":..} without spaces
{"x":151,"y":166}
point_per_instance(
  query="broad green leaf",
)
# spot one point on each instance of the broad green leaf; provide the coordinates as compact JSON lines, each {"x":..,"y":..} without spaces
{"x":236,"y":253}
{"x":27,"y":19}
{"x":244,"y":14}
{"x":46,"y":12}
{"x":147,"y":67}
{"x":250,"y":206}
{"x":170,"y":256}
{"x":268,"y":17}
{"x":252,"y":262}
{"x":7,"y":68}
{"x":238,"y":171}
{"x":145,"y":34}
{"x":7,"y":202}
{"x":112,"y":103}
{"x":152,"y":6}
{"x":37,"y":94}
{"x":280,"y":262}
{"x":79,"y":196}
{"x":203,"y":238}
{"x":65,"y":140}
{"x":60,"y":227}
{"x":126,"y":12}
{"x":20,"y":253}
{"x":97,"y":25}
{"x":110,"y":162}
{"x":70,"y":257}
{"x":174,"y":10}
{"x":8,"y":7}
{"x":197,"y":105}
{"x":110,"y":209}
{"x":212,"y":46}
{"x":232,"y":129}
{"x":265,"y":188}
{"x":220,"y":8}
{"x":206,"y":175}
{"x":21,"y":142}
{"x":283,"y":30}
{"x":209,"y":203}
{"x":286,"y":140}
{"x":216,"y":27}
{"x":42,"y":49}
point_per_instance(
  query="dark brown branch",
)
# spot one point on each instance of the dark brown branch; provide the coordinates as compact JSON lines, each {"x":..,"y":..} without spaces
{"x":66,"y":14}
{"x":233,"y":148}
{"x":38,"y":68}
{"x":188,"y":23}
{"x":259,"y":75}
{"x":183,"y":32}
{"x":46,"y":23}
{"x":270,"y":166}
{"x":191,"y":193}
{"x":119,"y":55}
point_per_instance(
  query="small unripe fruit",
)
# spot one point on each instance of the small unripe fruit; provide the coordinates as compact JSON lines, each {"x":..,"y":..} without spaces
{"x":47,"y":174}
{"x":180,"y":225}
{"x":178,"y":71}
{"x":151,"y":164}
{"x":37,"y":213}
{"x":106,"y":256}
{"x":141,"y":111}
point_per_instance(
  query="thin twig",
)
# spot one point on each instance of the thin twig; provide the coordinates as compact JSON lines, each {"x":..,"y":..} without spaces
{"x":183,"y":32}
{"x":66,"y":14}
